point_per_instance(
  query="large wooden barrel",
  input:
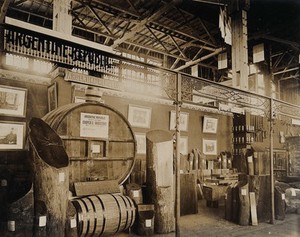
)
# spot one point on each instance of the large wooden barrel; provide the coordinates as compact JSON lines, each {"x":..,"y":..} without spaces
{"x":98,"y":140}
{"x":104,"y":214}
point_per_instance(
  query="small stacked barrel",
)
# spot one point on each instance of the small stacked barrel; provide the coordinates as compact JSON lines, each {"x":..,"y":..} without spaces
{"x":104,"y":214}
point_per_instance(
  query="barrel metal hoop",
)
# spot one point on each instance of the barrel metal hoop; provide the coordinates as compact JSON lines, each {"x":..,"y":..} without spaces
{"x":126,"y":210}
{"x":94,"y":208}
{"x":103,"y":211}
{"x":120,"y":213}
{"x":88,"y":219}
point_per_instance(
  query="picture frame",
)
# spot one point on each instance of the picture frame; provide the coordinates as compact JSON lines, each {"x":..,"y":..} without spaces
{"x":12,"y":135}
{"x":210,"y":124}
{"x":141,"y":143}
{"x":139,"y":116}
{"x":13,"y":101}
{"x":209,"y":147}
{"x":183,"y":145}
{"x":183,"y":122}
{"x":52,"y":97}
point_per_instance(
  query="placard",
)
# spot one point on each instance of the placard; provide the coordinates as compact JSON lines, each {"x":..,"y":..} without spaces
{"x":73,"y":223}
{"x":94,"y":125}
{"x":96,"y":148}
{"x":61,"y":177}
{"x":148,"y":223}
{"x":42,"y":221}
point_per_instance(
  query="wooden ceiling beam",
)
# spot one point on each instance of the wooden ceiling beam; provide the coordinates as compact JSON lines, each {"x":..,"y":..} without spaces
{"x":204,"y":45}
{"x":213,"y":41}
{"x":109,"y":5}
{"x":286,"y":70}
{"x":178,"y":48}
{"x":142,"y":23}
{"x":214,"y":2}
{"x":133,"y":7}
{"x":3,"y":9}
{"x":99,"y":19}
{"x":157,"y":39}
{"x":194,"y":62}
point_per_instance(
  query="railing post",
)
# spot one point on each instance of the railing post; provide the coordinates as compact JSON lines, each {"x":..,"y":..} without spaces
{"x":272,"y":161}
{"x":177,"y":175}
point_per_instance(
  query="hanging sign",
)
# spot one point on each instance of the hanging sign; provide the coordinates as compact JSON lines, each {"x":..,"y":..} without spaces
{"x":94,"y":125}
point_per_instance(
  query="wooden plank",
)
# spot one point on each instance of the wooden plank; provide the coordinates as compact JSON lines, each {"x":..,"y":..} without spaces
{"x":96,"y":187}
{"x":253,"y":209}
{"x":188,"y":194}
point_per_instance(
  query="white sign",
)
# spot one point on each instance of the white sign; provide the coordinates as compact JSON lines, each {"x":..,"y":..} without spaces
{"x":73,"y":223}
{"x":42,"y":221}
{"x":94,"y":125}
{"x":96,"y":148}
{"x":11,"y":225}
{"x":61,"y":177}
{"x":295,"y":121}
{"x":148,"y":223}
{"x":136,"y":193}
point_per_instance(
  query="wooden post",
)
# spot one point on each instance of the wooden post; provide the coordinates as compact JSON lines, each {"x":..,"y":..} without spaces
{"x":177,"y":189}
{"x":239,"y":49}
{"x":51,"y":178}
{"x":272,"y":162}
{"x":160,"y":178}
{"x":244,"y":212}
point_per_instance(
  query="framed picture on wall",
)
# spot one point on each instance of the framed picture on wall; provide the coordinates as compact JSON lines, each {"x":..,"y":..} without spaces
{"x":52,"y":96}
{"x":139,"y":116}
{"x":183,"y":121}
{"x":12,"y":135}
{"x":141,"y":143}
{"x":13,"y":101}
{"x":209,"y":147}
{"x":183,"y":146}
{"x":210,"y":124}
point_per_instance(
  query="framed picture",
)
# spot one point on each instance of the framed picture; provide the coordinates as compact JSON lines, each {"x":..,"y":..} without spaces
{"x":139,"y":116}
{"x":12,"y":135}
{"x":141,"y":143}
{"x":13,"y":101}
{"x":183,"y":146}
{"x":183,"y":121}
{"x":210,"y":125}
{"x":209,"y":147}
{"x":52,"y":96}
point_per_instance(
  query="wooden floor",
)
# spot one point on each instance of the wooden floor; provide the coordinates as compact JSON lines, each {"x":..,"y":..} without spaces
{"x":210,"y":222}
